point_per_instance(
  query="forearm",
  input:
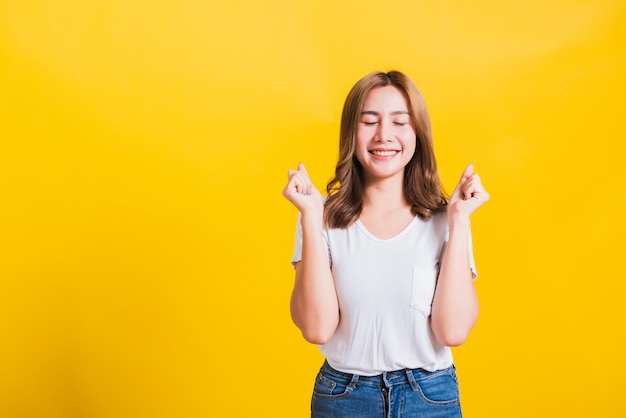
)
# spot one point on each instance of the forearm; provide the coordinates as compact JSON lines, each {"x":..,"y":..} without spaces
{"x":314,"y":305}
{"x":455,"y":304}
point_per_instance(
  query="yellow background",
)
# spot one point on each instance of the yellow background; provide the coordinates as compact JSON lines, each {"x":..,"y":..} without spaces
{"x":145,"y":245}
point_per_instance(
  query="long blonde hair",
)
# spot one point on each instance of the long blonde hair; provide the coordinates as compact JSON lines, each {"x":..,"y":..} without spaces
{"x":422,"y":186}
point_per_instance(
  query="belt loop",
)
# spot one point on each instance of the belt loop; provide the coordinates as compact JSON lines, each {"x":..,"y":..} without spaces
{"x":411,"y":378}
{"x":352,"y":384}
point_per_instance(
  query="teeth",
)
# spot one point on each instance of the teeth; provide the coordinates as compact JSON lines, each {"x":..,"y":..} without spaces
{"x":383,"y":153}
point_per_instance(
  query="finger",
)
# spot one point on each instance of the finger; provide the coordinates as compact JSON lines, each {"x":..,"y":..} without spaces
{"x":309,"y":184}
{"x":467,"y":173}
{"x":458,"y":190}
{"x":469,"y":188}
{"x":479,"y":191}
{"x":302,"y":168}
{"x":302,"y":183}
{"x":292,"y":186}
{"x":473,"y":189}
{"x":291,"y":173}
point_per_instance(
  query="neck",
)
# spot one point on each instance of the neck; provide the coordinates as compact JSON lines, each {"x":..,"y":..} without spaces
{"x":385,"y":194}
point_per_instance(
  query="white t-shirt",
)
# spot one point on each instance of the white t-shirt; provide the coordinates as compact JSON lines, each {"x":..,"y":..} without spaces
{"x":385,"y":290}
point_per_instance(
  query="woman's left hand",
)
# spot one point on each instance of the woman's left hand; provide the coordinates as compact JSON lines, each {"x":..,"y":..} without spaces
{"x":468,"y":195}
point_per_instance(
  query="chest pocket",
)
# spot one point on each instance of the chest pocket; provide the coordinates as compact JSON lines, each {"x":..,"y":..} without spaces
{"x":423,"y":289}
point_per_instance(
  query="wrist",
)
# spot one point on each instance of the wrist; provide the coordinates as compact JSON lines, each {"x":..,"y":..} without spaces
{"x":458,"y":221}
{"x":312,"y":219}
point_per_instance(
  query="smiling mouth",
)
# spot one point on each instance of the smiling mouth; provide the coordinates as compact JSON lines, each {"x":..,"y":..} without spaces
{"x":384,"y":153}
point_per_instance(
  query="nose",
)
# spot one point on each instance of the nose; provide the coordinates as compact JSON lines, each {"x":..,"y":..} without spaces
{"x":384,"y":132}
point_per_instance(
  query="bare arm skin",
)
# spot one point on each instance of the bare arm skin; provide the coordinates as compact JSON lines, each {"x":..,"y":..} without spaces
{"x":455,"y":305}
{"x":314,"y":305}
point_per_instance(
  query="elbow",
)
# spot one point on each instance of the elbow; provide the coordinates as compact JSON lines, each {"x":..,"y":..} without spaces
{"x":316,"y":329}
{"x":316,"y":333}
{"x":452,"y":338}
{"x":453,"y":329}
{"x":317,"y":337}
{"x":452,"y":334}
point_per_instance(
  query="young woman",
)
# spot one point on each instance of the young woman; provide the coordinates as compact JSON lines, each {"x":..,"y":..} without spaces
{"x":384,"y":264}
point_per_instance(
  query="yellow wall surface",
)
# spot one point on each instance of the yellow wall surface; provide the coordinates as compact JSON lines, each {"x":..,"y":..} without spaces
{"x":145,"y":244}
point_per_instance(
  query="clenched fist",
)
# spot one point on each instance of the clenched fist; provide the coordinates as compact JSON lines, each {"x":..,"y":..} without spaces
{"x":301,"y":192}
{"x":468,"y":195}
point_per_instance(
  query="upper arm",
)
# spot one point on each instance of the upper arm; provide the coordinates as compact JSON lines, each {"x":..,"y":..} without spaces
{"x":297,"y":247}
{"x":470,"y":248}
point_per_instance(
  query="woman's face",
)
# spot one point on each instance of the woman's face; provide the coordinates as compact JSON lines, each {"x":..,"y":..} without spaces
{"x":385,"y":138}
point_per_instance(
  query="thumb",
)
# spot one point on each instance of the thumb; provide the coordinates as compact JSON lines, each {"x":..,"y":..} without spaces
{"x":467,"y":173}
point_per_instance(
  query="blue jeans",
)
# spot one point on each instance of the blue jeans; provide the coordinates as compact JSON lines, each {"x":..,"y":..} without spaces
{"x":407,"y":393}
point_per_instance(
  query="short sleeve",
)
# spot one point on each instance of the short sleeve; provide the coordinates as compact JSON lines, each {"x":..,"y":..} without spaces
{"x":470,"y":250}
{"x":297,"y":247}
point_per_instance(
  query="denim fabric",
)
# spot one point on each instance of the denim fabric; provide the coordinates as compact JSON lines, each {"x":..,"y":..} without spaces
{"x":405,"y":393}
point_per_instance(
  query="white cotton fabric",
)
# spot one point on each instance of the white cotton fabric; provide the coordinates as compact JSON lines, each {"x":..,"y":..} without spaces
{"x":385,"y":290}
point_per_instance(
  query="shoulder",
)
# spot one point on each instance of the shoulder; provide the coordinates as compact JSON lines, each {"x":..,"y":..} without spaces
{"x":437,"y":220}
{"x":435,"y":229}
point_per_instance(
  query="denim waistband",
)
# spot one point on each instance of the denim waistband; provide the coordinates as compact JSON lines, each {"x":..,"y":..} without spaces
{"x":387,"y":378}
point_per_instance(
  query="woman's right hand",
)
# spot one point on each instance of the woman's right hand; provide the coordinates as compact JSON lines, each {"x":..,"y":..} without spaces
{"x":301,"y":192}
{"x":314,"y":306}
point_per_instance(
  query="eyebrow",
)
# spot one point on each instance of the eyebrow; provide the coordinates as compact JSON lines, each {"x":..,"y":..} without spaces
{"x":396,"y":112}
